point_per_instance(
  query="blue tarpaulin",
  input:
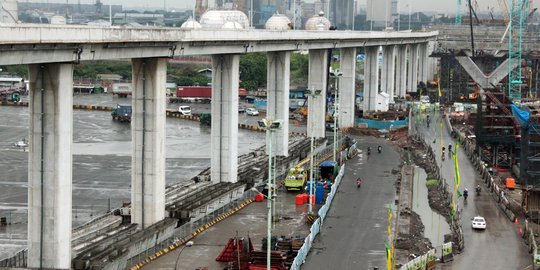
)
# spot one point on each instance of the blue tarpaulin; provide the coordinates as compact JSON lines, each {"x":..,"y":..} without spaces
{"x":521,"y":116}
{"x":383,"y":124}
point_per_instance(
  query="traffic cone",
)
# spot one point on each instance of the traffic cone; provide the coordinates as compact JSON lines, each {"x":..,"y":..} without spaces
{"x":516,"y":221}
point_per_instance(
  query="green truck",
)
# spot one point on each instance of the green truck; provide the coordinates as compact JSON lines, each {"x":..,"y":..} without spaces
{"x":122,"y":113}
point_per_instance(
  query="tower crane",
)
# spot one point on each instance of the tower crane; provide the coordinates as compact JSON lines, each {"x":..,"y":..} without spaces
{"x":519,"y":11}
{"x":458,"y":12}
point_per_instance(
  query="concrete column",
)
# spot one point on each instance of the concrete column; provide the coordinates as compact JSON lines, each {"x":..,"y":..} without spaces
{"x":432,"y":62}
{"x":278,"y":77}
{"x":49,"y":166}
{"x":347,"y":88}
{"x":412,"y":68}
{"x":148,"y":141}
{"x":318,"y":71}
{"x":401,"y":71}
{"x":423,"y":62}
{"x":371,"y":78}
{"x":224,"y":142}
{"x":388,"y":71}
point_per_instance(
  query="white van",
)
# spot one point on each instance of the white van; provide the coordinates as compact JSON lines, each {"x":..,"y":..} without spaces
{"x":184,"y":110}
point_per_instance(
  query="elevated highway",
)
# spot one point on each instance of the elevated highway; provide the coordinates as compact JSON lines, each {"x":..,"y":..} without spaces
{"x":27,"y":44}
{"x":51,"y":50}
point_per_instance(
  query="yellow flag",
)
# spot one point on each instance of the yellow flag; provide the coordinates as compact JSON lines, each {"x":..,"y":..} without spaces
{"x":439,"y":85}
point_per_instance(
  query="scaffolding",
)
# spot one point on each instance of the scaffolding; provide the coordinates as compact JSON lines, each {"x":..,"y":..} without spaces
{"x":519,"y":12}
{"x":496,"y":129}
{"x":530,"y":163}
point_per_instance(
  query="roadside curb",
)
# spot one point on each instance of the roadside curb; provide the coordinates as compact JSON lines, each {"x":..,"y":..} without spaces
{"x":184,"y":240}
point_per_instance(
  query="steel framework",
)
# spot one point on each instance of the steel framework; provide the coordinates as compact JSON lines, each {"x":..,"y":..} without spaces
{"x":458,"y":12}
{"x":519,"y":11}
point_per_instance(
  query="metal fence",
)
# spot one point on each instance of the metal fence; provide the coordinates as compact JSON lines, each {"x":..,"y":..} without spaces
{"x":316,"y":227}
{"x":19,"y":260}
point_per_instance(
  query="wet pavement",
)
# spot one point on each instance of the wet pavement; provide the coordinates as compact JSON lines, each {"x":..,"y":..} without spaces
{"x":248,"y":222}
{"x":196,"y":108}
{"x":101,"y":162}
{"x":435,"y":225}
{"x":500,"y":245}
{"x":355,"y":230}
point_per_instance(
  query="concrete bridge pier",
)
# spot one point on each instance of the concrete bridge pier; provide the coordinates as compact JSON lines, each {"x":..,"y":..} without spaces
{"x":224,"y":137}
{"x":412,"y":68}
{"x":371,"y":78}
{"x":347,"y":87}
{"x":317,"y":76}
{"x":388,"y":71}
{"x":423,"y":62}
{"x":401,"y":71}
{"x":148,"y":140}
{"x":50,"y":166}
{"x":432,"y":61}
{"x":278,"y":81}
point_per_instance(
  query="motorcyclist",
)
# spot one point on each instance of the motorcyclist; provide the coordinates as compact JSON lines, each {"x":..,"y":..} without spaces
{"x":379,"y":149}
{"x":369,"y":150}
{"x":358,"y":182}
{"x":442,"y":154}
{"x":449,"y":147}
{"x":478,"y":189}
{"x":465,"y":194}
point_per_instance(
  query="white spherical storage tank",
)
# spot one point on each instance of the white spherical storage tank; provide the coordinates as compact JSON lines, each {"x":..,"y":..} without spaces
{"x":9,"y":11}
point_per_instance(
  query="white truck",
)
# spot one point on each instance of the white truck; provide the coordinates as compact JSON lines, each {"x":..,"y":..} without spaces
{"x":121,"y":89}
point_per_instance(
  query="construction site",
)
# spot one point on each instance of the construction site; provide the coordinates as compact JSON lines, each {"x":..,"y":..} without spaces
{"x":489,"y":76}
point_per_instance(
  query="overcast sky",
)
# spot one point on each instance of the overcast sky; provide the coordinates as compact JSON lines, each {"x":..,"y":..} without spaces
{"x":445,"y":6}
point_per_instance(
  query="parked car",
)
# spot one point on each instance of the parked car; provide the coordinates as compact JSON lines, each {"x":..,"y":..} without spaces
{"x":252,"y":111}
{"x":184,"y":110}
{"x":122,"y":113}
{"x":479,"y":223}
{"x":241,"y":109}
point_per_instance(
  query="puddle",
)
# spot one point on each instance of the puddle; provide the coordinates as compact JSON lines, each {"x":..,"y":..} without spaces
{"x":435,"y":224}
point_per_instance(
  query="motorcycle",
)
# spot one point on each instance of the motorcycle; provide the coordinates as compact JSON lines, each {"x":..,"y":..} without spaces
{"x":478,"y":191}
{"x":379,"y":149}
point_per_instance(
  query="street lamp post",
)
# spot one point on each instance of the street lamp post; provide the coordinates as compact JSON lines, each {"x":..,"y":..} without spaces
{"x":188,"y":244}
{"x":313,"y":94}
{"x":335,"y":74}
{"x":270,"y":126}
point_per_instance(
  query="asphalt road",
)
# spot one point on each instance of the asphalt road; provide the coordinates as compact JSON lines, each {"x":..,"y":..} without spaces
{"x":499,"y":246}
{"x":354,"y":232}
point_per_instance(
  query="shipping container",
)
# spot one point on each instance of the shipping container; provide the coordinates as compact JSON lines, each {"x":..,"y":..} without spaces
{"x":201,"y":92}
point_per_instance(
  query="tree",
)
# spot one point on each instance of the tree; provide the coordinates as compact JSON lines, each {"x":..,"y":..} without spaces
{"x":17,"y":70}
{"x":187,"y":74}
{"x":299,"y":69}
{"x":253,"y":70}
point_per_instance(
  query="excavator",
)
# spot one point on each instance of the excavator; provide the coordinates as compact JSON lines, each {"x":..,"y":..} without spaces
{"x":301,"y":113}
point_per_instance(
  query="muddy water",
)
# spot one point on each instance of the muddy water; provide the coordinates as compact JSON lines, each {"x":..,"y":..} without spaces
{"x":435,"y":224}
